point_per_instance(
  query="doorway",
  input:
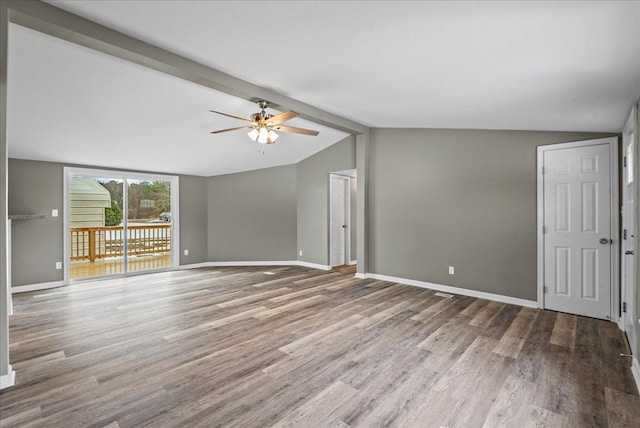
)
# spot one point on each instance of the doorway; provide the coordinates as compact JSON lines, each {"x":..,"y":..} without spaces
{"x":118,"y":224}
{"x":629,"y":189}
{"x":339,"y":219}
{"x":577,"y":227}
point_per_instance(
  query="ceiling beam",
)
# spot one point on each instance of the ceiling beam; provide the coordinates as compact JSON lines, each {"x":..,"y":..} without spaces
{"x":56,"y":22}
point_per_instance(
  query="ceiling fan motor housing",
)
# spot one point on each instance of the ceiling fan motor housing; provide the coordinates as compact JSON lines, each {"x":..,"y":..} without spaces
{"x":260,"y":117}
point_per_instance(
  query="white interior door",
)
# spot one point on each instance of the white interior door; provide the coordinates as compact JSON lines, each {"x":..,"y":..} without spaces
{"x":629,"y":180}
{"x":338,"y":220}
{"x":577,"y":230}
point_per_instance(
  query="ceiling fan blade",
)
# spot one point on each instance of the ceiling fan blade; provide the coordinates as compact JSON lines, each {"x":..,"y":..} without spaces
{"x":296,"y":130}
{"x":283,"y":117}
{"x":231,"y":129}
{"x":230,"y":115}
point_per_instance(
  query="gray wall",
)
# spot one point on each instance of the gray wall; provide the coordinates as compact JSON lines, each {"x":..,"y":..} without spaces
{"x":37,"y":187}
{"x":462,"y":198}
{"x":193,"y":219}
{"x":313,"y":198}
{"x":252,"y":215}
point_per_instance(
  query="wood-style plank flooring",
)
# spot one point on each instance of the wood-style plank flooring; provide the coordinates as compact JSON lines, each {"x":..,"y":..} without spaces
{"x":291,"y":346}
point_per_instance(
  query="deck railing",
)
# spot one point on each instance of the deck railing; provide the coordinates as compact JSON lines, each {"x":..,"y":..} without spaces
{"x":91,"y":243}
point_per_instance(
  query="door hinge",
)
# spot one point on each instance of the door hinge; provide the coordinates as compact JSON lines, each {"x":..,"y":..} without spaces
{"x":544,"y":170}
{"x":624,"y":161}
{"x":624,"y":307}
{"x":624,"y":234}
{"x":545,"y":289}
{"x":544,"y":229}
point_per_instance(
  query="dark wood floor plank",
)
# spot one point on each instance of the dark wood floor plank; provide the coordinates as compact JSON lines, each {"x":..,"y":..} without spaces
{"x":293,"y":346}
{"x":512,"y":404}
{"x":564,"y":331}
{"x":511,"y":343}
{"x":623,"y":410}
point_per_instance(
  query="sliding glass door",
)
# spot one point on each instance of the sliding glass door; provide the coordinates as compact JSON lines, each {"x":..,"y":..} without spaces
{"x":119,"y":223}
{"x":148,"y":225}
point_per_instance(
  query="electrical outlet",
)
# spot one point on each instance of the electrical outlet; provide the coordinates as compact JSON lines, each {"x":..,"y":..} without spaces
{"x":186,"y":252}
{"x":300,"y":253}
{"x":54,"y":213}
{"x":58,"y":265}
{"x":451,"y":270}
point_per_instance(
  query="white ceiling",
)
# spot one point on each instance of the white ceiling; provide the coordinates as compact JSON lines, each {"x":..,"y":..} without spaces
{"x":571,"y":66}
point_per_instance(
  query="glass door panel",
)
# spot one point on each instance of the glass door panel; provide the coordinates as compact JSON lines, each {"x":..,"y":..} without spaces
{"x":96,"y":229}
{"x":148,"y":225}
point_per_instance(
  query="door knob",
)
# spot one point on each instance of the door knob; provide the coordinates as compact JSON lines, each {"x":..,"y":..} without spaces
{"x":604,"y":241}
{"x":628,"y":253}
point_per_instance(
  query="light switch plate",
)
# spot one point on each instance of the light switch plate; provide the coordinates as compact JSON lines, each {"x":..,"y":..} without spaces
{"x":54,"y":213}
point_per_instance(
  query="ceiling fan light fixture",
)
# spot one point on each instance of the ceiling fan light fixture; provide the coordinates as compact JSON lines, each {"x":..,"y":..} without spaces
{"x":266,"y":136}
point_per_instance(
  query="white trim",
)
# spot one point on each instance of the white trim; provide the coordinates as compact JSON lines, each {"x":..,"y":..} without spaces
{"x":454,"y":290}
{"x":194,"y":266}
{"x":353,"y":262}
{"x":8,"y":379}
{"x":360,"y":275}
{"x":635,"y":371}
{"x":615,"y":235}
{"x":629,"y":289}
{"x":258,"y":263}
{"x":313,"y":265}
{"x":36,"y":287}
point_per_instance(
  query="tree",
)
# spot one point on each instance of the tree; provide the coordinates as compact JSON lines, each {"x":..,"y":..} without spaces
{"x":112,"y":215}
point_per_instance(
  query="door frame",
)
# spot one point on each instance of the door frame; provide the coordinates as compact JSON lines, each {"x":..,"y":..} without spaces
{"x":613,"y":143}
{"x":630,"y":129}
{"x":346,"y":181}
{"x":68,"y":172}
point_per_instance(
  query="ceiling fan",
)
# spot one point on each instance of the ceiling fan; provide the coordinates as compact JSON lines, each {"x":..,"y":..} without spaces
{"x":262,"y":124}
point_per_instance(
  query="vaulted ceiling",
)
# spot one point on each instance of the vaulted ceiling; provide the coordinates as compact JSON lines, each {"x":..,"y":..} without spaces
{"x":571,"y":66}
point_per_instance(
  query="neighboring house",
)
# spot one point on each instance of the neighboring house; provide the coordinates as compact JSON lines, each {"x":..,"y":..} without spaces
{"x":87,"y":201}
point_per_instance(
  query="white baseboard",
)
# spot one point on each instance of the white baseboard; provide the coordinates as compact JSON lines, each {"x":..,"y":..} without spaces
{"x":455,"y":290}
{"x":36,"y":287}
{"x":9,"y":379}
{"x":313,"y":265}
{"x":360,"y":276}
{"x":353,"y":262}
{"x":258,"y":263}
{"x":635,"y":370}
{"x":194,"y":266}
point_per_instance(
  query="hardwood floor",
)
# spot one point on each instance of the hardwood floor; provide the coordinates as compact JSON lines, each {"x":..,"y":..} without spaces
{"x":291,"y":346}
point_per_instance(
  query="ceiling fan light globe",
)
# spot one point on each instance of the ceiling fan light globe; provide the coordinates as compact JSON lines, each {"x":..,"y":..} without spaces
{"x":253,"y":134}
{"x":263,"y":136}
{"x":272,"y":136}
